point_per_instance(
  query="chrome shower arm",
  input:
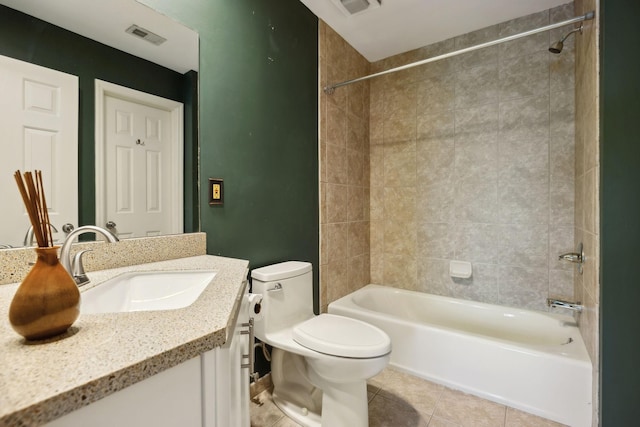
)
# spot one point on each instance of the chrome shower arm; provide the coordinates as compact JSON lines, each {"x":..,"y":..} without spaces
{"x":575,"y":30}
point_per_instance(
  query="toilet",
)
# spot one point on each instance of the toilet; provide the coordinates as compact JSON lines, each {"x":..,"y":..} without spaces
{"x":319,"y":364}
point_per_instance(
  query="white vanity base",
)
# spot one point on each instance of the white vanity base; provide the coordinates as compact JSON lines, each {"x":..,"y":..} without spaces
{"x":211,"y":390}
{"x":170,"y":398}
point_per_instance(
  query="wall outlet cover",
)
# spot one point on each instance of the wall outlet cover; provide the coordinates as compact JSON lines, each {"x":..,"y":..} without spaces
{"x":216,"y":191}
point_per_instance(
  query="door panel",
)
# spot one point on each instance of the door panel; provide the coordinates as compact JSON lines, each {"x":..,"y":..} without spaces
{"x":138,"y":149}
{"x":39,"y":120}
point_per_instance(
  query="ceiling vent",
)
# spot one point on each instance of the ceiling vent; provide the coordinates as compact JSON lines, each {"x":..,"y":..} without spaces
{"x":355,"y":7}
{"x":146,"y":35}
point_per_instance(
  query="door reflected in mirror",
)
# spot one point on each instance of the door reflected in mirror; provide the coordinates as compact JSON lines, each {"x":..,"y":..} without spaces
{"x":139,"y":152}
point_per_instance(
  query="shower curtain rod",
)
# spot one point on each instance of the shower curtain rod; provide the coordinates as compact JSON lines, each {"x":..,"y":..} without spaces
{"x":587,"y":16}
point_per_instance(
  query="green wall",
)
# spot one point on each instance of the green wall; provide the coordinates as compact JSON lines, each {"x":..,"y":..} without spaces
{"x":620,"y":213}
{"x":258,"y":126}
{"x":30,"y":39}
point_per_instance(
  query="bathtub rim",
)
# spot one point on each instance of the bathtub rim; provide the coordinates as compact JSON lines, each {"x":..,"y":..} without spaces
{"x":578,"y":348}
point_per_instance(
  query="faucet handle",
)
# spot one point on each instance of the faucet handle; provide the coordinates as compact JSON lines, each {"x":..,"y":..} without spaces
{"x":571,"y":257}
{"x":577,"y":257}
{"x":77,"y":268}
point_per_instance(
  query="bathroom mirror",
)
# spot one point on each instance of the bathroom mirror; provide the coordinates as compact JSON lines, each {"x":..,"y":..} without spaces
{"x":89,"y":39}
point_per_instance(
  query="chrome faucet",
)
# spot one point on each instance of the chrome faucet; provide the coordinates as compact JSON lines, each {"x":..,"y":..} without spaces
{"x":557,"y":303}
{"x":28,"y":238}
{"x":74,"y":266}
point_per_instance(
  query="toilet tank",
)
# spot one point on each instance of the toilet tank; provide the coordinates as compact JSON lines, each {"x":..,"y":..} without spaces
{"x":285,"y":305}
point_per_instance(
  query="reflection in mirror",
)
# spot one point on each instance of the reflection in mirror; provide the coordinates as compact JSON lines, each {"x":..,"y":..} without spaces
{"x":88,"y":39}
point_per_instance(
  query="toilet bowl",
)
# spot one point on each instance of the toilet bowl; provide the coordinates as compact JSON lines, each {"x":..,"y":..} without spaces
{"x":319,"y":364}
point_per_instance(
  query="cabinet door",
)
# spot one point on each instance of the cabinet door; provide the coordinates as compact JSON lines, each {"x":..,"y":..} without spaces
{"x":225,"y":382}
{"x":239,"y":376}
{"x":168,"y":399}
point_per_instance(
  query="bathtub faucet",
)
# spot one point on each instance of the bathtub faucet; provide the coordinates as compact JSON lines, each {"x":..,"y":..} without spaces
{"x":557,"y":303}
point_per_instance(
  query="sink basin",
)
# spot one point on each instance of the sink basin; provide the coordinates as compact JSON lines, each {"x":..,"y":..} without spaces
{"x":146,"y":291}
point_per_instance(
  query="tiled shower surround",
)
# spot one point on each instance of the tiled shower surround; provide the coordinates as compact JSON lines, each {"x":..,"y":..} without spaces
{"x":344,"y":171}
{"x":587,"y":219}
{"x":471,"y":158}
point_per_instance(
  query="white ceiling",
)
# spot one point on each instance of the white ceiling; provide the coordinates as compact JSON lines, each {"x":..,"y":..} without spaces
{"x":401,"y":25}
{"x":106,"y":21}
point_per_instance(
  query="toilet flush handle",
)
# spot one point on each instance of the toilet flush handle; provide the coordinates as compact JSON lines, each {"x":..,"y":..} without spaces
{"x":276,"y":288}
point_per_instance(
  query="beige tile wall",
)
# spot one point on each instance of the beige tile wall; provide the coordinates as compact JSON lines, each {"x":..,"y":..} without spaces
{"x":472,"y":158}
{"x":344,"y":170}
{"x":587,"y":219}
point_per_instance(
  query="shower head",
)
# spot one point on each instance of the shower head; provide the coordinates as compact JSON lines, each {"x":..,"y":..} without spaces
{"x":557,"y":46}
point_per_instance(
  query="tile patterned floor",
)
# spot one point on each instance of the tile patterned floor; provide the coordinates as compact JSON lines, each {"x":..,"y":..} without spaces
{"x":397,"y":399}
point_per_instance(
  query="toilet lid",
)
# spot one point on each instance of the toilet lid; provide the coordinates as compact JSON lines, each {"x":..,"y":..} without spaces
{"x":342,"y":336}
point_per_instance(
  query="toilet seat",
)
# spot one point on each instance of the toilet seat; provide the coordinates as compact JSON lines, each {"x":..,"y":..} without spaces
{"x":342,"y":336}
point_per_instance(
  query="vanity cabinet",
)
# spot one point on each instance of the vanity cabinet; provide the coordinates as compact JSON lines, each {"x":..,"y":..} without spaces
{"x":225,"y":376}
{"x":211,"y":390}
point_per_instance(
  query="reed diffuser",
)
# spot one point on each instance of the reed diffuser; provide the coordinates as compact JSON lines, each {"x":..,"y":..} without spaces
{"x":47,"y":301}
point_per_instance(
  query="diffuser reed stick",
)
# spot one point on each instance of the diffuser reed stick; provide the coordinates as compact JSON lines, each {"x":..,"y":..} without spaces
{"x":35,"y":202}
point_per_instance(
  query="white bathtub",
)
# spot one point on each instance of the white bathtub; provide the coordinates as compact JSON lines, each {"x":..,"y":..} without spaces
{"x":533,"y":361}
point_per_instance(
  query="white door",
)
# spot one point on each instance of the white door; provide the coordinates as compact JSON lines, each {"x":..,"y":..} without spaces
{"x":140,"y":171}
{"x":38,"y":130}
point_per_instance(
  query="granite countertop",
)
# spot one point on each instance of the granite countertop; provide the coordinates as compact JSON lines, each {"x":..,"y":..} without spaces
{"x":103,"y":353}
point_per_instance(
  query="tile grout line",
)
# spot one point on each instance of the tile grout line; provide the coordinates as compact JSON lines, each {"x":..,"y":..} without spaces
{"x":435,"y":406}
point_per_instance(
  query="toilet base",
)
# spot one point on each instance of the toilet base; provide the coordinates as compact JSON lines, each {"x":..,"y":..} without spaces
{"x":313,"y":400}
{"x":293,"y":393}
{"x":302,"y":416}
{"x":345,"y":405}
{"x":342,"y":406}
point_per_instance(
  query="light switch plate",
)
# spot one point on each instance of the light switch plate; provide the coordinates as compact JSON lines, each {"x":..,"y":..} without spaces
{"x":216,"y":191}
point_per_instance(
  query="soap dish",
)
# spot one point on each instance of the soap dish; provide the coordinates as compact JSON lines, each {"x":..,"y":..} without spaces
{"x":460,"y":269}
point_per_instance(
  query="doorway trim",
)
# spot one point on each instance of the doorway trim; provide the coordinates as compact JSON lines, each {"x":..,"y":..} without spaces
{"x":176,"y":109}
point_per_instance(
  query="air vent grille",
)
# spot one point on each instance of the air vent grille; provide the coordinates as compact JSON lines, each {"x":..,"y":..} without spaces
{"x":355,"y":7}
{"x":145,"y":35}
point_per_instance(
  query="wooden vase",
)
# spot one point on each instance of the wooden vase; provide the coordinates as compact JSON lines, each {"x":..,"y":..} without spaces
{"x":47,"y":301}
